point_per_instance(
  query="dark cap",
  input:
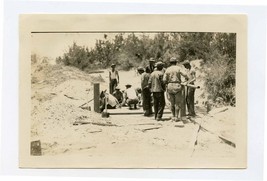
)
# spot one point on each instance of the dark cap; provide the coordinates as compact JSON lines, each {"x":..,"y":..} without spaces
{"x":140,"y":69}
{"x":173,"y":59}
{"x":158,"y":64}
{"x":152,"y":60}
{"x":186,"y":62}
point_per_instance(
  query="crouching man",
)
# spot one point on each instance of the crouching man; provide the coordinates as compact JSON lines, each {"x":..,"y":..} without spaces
{"x":118,"y":94}
{"x":130,"y":97}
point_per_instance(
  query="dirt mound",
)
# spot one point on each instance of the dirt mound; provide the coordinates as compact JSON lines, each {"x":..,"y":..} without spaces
{"x":63,"y":127}
{"x":57,"y":93}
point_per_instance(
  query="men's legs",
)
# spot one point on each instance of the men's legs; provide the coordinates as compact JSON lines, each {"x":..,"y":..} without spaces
{"x":179,"y":101}
{"x":156,"y":103}
{"x":161,"y":105}
{"x":183,"y":101}
{"x":147,"y":102}
{"x":172,"y":101}
{"x":129,"y":101}
{"x":110,"y":87}
{"x":115,"y":83}
{"x":191,"y":101}
{"x":132,"y":102}
{"x":145,"y":105}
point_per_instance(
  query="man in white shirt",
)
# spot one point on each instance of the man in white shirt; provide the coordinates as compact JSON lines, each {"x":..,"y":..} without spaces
{"x":130,"y":96}
{"x":190,"y":93}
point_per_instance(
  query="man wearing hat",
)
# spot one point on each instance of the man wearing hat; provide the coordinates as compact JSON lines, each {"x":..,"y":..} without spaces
{"x":130,"y":96}
{"x":146,"y":94}
{"x":140,"y":70}
{"x":190,"y":91}
{"x":113,"y":78}
{"x":118,"y":94}
{"x":172,"y":79}
{"x":157,"y":88}
{"x":151,"y":65}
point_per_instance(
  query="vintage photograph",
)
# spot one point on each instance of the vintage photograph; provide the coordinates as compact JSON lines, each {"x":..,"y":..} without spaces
{"x":140,"y":97}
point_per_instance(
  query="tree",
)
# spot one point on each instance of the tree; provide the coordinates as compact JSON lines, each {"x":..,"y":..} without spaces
{"x":218,"y":51}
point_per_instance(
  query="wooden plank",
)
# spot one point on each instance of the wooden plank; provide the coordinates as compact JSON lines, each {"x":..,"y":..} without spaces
{"x":96,"y":98}
{"x":147,"y":128}
{"x":77,"y":123}
{"x":95,"y":71}
{"x":204,"y":127}
{"x":126,"y":111}
{"x":36,"y":149}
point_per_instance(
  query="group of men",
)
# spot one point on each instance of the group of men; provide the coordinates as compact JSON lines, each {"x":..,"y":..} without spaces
{"x":128,"y":97}
{"x":156,"y":79}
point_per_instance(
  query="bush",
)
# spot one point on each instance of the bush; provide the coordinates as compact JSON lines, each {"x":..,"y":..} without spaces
{"x":220,"y":78}
{"x":218,"y":50}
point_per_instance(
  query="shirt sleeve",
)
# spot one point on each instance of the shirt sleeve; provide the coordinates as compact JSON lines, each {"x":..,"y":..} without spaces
{"x":183,"y":73}
{"x":193,"y":73}
{"x":150,"y":80}
{"x":165,"y":77}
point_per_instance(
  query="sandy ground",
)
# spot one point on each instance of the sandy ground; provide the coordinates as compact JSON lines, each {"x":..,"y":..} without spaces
{"x":57,"y":93}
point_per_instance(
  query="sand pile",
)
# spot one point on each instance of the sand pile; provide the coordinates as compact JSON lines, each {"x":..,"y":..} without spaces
{"x":59,"y":91}
{"x":218,"y":133}
{"x":57,"y":94}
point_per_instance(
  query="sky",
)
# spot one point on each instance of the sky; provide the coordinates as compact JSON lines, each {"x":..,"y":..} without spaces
{"x":52,"y":45}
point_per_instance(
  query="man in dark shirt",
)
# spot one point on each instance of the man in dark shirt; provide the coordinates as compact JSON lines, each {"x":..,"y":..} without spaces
{"x":157,"y":88}
{"x":146,"y":94}
{"x":118,"y":94}
{"x":151,"y":65}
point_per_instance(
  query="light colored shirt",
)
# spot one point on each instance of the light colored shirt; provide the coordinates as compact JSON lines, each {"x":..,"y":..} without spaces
{"x":113,"y":75}
{"x":173,"y":74}
{"x":112,"y":100}
{"x":191,"y":76}
{"x":156,"y":81}
{"x":130,"y":93}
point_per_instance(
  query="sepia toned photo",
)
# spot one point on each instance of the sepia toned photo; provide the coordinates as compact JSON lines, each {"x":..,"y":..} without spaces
{"x":133,"y":94}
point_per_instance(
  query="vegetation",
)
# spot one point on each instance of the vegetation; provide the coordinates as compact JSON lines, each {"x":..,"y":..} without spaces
{"x":218,"y":51}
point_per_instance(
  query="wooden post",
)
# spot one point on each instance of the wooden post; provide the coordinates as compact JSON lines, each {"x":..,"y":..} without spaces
{"x":96,"y":98}
{"x":36,"y":149}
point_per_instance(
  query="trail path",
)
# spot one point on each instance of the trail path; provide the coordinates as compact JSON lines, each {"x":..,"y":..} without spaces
{"x":57,"y":93}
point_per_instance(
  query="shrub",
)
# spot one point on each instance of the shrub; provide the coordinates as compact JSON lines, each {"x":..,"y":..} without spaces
{"x":218,"y":50}
{"x":220,"y":78}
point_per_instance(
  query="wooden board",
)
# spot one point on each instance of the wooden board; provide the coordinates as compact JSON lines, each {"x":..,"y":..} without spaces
{"x":126,"y":110}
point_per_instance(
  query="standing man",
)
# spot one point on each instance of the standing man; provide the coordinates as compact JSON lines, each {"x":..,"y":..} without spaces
{"x":190,"y":93}
{"x":146,"y":94}
{"x":113,"y":79}
{"x":157,"y":87}
{"x":140,"y":70}
{"x":172,"y":78}
{"x":151,"y":65}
